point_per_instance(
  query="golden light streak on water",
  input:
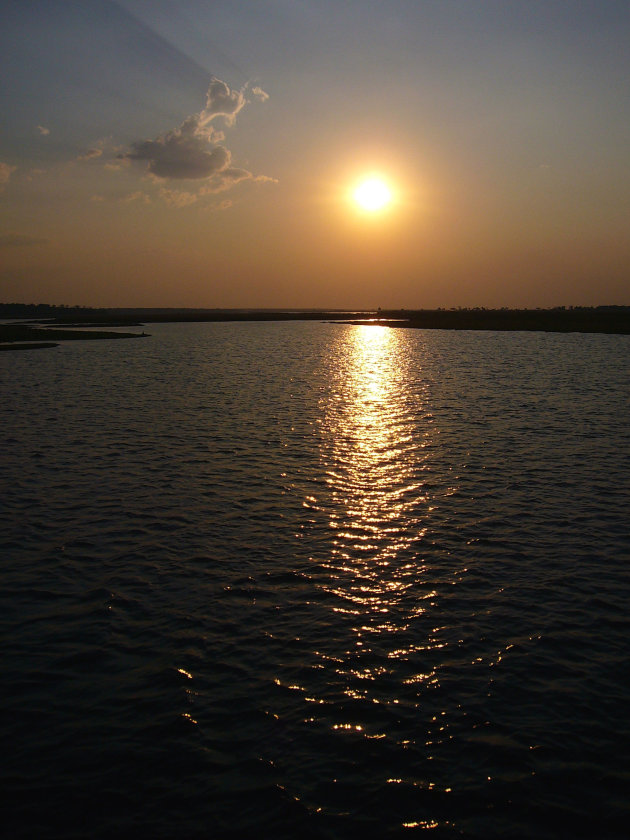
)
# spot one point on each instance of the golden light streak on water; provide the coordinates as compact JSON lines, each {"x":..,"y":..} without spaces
{"x":375,"y":502}
{"x":370,"y":458}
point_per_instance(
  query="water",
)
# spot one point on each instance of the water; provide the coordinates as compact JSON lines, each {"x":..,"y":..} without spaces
{"x":316,"y":580}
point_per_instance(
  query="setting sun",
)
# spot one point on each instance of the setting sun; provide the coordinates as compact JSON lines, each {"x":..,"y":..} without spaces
{"x":372,"y":194}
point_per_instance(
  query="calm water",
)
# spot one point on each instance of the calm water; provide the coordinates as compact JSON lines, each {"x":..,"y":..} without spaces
{"x":317,"y":581}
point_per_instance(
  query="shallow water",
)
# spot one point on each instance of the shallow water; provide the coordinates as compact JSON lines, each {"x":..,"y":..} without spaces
{"x":300,"y":579}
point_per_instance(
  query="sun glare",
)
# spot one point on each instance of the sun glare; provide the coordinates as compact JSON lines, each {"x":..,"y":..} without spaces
{"x":372,"y":194}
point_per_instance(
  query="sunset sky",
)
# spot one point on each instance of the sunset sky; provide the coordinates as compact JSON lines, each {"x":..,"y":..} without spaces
{"x":205,"y":154}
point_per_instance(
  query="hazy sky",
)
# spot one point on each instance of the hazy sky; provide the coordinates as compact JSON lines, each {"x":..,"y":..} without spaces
{"x":199,"y":153}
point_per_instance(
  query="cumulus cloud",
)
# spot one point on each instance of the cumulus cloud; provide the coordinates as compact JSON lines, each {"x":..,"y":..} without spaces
{"x":20,"y":240}
{"x":194,"y":151}
{"x":5,"y":172}
{"x":181,"y":154}
{"x":43,"y":130}
{"x":222,"y":102}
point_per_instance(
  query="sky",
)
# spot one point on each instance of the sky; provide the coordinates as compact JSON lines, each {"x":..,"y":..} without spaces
{"x":192,"y":153}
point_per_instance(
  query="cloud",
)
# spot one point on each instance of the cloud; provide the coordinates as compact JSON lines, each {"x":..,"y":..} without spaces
{"x":227,"y":178}
{"x":97,"y":149}
{"x":90,"y":154}
{"x":265,"y":179}
{"x":43,"y":130}
{"x":136,"y":196}
{"x":20,"y":240}
{"x":222,"y":102}
{"x":181,"y":154}
{"x":178,"y":198}
{"x":5,"y":172}
{"x":194,"y":151}
{"x":260,"y":94}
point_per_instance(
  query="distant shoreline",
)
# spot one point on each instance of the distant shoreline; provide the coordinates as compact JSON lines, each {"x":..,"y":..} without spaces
{"x":613,"y":320}
{"x":608,"y":321}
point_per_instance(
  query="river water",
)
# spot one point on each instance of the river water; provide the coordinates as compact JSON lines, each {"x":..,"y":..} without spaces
{"x":319,"y":581}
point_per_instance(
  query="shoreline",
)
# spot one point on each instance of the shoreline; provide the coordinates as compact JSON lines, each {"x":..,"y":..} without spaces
{"x":31,"y":345}
{"x":25,"y":337}
{"x":613,"y":320}
{"x":604,"y":320}
{"x":609,"y":322}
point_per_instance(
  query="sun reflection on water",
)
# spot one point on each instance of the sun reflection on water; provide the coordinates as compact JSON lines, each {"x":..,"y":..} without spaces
{"x":371,"y":517}
{"x":373,"y":458}
{"x":376,"y":642}
{"x":370,"y":455}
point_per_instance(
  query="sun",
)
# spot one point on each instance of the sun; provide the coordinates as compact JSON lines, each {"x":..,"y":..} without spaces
{"x":372,"y":194}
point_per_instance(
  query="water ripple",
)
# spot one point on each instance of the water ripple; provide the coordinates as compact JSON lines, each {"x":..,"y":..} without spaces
{"x":317,"y":579}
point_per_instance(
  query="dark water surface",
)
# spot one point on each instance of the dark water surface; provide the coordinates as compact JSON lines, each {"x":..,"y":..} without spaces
{"x":317,"y":581}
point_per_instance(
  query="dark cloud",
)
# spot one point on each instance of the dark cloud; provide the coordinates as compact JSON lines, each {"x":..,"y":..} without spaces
{"x":20,"y":240}
{"x":194,"y":150}
{"x":181,"y":154}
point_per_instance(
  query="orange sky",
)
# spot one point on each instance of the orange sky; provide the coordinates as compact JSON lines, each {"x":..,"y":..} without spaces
{"x":183,"y":155}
